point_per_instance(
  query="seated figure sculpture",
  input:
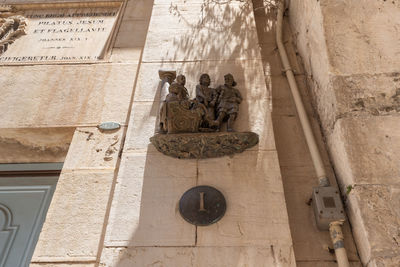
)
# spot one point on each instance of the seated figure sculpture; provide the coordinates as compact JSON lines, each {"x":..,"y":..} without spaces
{"x":228,"y":102}
{"x":178,"y":92}
{"x":206,"y":112}
{"x":179,"y":114}
{"x":185,"y":120}
{"x":206,"y":96}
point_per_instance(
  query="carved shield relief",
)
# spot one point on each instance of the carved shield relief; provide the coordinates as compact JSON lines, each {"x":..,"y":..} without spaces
{"x":12,"y":26}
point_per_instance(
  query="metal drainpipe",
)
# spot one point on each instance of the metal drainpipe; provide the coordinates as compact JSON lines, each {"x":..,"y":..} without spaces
{"x":335,"y":228}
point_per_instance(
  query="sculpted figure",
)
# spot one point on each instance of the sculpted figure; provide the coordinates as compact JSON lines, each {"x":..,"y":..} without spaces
{"x":228,"y":101}
{"x":178,"y":113}
{"x":178,"y":91}
{"x":206,"y":96}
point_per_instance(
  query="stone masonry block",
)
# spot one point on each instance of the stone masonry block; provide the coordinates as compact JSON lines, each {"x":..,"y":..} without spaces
{"x":144,"y":211}
{"x":362,"y":38}
{"x":138,"y":9}
{"x":376,"y":222}
{"x":308,"y":28}
{"x":142,"y":126}
{"x":58,"y":264}
{"x":199,"y":256}
{"x":126,"y":54}
{"x":384,"y":262}
{"x":333,"y":263}
{"x":93,"y":149}
{"x":372,"y":94}
{"x":203,"y":31}
{"x":132,"y":33}
{"x":255,"y":116}
{"x":256,"y":210}
{"x":65,"y":95}
{"x":34,"y":144}
{"x":75,"y":217}
{"x":365,"y":150}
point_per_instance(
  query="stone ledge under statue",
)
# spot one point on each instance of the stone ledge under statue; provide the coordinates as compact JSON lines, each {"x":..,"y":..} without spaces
{"x":192,"y":128}
{"x":203,"y":145}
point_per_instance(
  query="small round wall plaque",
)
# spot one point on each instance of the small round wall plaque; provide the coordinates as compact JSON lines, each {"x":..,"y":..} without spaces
{"x":202,"y":205}
{"x":109,"y":126}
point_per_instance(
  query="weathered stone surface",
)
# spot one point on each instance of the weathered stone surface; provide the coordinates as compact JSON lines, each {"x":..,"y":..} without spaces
{"x":34,"y":144}
{"x":218,"y":30}
{"x":132,"y":33}
{"x":138,"y":10}
{"x":362,"y":39}
{"x":144,"y":211}
{"x":256,"y":211}
{"x":55,"y":1}
{"x":198,"y":257}
{"x":373,"y":94}
{"x":203,"y":145}
{"x":365,"y":150}
{"x":255,"y":116}
{"x":76,"y":216}
{"x":358,"y":95}
{"x":308,"y":28}
{"x":126,"y":55}
{"x":71,"y":264}
{"x":374,"y":214}
{"x":93,"y":149}
{"x":142,"y":126}
{"x":358,"y":87}
{"x":65,"y":95}
{"x":384,"y":262}
{"x":333,"y":263}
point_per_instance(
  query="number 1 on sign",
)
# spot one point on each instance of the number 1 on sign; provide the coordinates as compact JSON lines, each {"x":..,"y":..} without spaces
{"x":202,"y":202}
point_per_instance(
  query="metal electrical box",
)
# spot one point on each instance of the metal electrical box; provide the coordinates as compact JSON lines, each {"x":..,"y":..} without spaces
{"x":327,"y":206}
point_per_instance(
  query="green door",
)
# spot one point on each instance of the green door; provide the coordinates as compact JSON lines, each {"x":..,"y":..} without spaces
{"x":24,"y":200}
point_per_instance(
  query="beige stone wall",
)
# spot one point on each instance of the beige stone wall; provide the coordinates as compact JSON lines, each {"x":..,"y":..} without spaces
{"x":145,"y":227}
{"x":116,"y":200}
{"x":49,"y":113}
{"x":350,"y":52}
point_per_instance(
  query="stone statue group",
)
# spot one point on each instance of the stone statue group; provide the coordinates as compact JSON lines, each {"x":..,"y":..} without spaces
{"x":206,"y":112}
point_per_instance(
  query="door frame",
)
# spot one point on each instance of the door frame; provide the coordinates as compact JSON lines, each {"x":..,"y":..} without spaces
{"x":41,"y":176}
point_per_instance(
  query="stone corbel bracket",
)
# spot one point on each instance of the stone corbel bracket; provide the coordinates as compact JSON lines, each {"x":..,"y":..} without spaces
{"x":203,"y":145}
{"x":12,"y":26}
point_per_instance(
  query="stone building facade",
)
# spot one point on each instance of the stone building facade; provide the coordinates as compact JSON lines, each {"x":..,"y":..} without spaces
{"x":115,"y":203}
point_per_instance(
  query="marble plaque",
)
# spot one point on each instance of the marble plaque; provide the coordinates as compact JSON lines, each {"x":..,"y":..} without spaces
{"x":63,"y":34}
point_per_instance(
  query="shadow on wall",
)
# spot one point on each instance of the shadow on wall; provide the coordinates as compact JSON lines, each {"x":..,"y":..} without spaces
{"x":145,"y":225}
{"x":214,"y":37}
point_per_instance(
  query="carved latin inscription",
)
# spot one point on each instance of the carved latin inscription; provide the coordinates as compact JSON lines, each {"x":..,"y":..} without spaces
{"x":62,"y":34}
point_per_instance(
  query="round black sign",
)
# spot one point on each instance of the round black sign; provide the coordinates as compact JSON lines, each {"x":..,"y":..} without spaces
{"x":202,"y":205}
